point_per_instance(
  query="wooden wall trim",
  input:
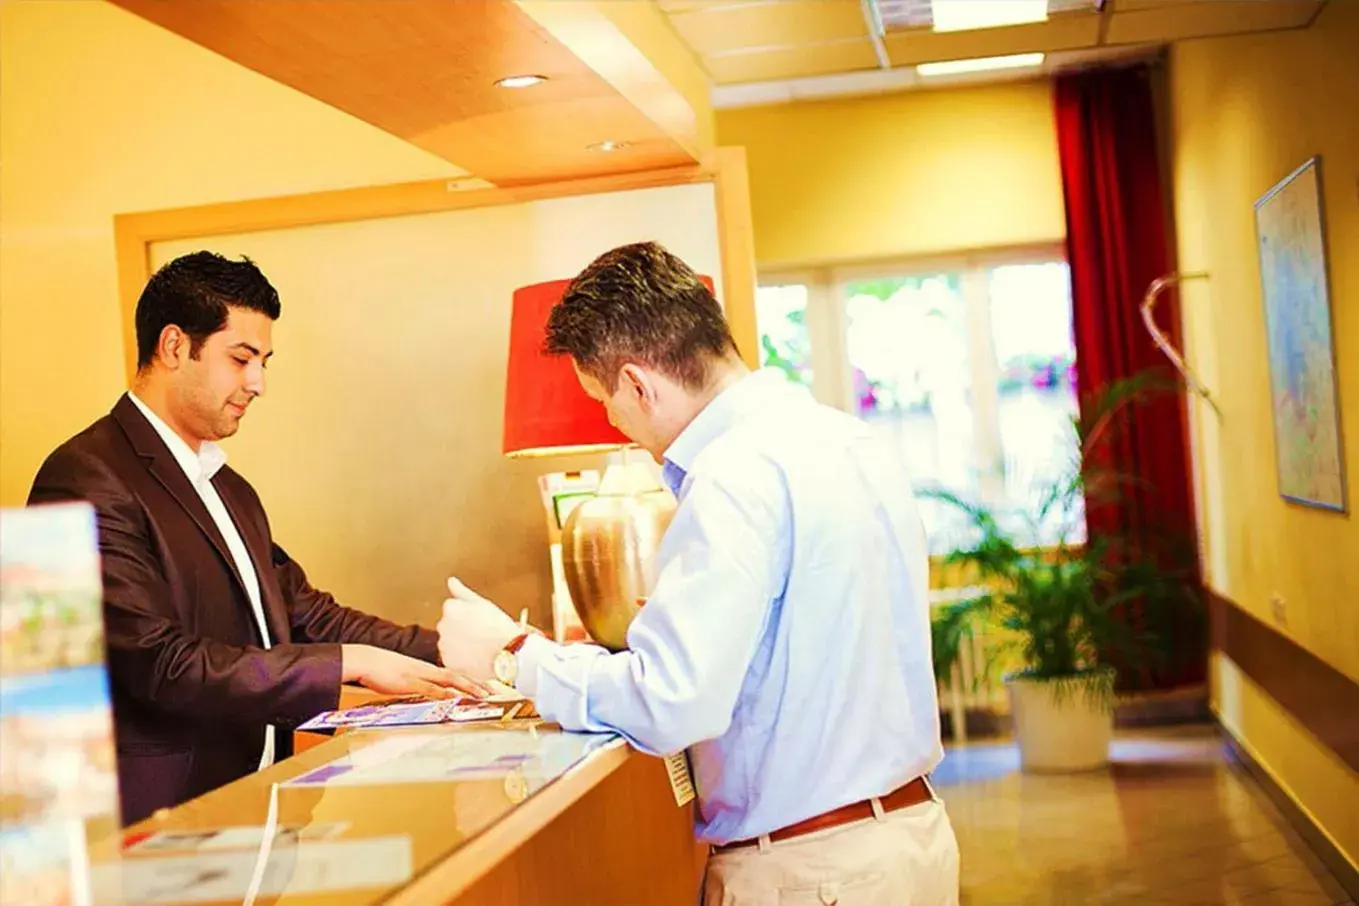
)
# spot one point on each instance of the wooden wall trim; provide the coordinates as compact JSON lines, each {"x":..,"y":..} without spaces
{"x":736,"y":236}
{"x":1317,"y":695}
{"x":725,"y":168}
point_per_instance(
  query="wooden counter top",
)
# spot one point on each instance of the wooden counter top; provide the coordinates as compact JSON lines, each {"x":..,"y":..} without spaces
{"x":604,"y":829}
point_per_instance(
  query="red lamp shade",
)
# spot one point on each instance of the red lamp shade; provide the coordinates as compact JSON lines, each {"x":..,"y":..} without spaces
{"x":546,"y":411}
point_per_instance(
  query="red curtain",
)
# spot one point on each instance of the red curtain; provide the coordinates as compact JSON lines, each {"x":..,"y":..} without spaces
{"x":1117,"y":243}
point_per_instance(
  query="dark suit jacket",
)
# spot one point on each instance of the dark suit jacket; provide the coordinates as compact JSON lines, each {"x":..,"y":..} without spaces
{"x":192,"y":687}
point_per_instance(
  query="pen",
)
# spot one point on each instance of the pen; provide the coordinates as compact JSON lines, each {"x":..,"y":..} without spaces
{"x":523,"y":620}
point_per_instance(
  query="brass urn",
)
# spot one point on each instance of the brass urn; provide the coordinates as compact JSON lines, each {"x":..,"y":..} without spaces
{"x":609,"y":546}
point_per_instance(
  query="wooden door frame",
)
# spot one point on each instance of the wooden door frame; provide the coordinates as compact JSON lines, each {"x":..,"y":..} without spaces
{"x":725,"y":168}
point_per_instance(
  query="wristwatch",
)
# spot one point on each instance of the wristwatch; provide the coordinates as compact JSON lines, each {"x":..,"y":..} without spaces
{"x":506,"y":665}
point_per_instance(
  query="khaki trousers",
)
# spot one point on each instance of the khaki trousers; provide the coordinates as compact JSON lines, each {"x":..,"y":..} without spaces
{"x":908,"y":857}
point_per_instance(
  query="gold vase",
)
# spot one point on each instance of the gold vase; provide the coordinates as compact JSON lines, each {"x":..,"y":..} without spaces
{"x":609,"y":546}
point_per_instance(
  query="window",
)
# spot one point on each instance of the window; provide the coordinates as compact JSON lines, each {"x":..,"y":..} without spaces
{"x":781,"y":313}
{"x":970,"y":369}
{"x":1030,"y":327}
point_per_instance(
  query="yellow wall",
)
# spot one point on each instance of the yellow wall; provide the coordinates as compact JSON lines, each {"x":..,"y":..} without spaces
{"x":102,"y":113}
{"x":1245,"y":111}
{"x":909,"y":174}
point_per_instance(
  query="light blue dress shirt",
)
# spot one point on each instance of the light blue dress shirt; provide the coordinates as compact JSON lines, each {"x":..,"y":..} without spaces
{"x":786,"y":642}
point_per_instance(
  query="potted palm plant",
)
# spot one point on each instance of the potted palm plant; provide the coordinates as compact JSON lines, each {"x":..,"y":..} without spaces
{"x":1059,"y":604}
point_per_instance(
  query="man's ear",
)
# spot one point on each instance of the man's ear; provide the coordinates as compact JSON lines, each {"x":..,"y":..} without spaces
{"x":636,"y":382}
{"x":173,"y":347}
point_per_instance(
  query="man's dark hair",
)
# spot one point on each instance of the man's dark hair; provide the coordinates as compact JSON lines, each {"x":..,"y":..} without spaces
{"x":639,"y":303}
{"x":193,"y":292}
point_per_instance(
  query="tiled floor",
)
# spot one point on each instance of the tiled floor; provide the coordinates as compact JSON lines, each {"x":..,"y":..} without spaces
{"x":1170,"y":823}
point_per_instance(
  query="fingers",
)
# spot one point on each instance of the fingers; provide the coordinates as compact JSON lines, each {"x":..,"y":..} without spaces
{"x":457,"y":609}
{"x":460,"y":613}
{"x":432,"y":673}
{"x":444,"y":678}
{"x":460,"y":604}
{"x":458,"y":590}
{"x":470,"y":686}
{"x":453,"y":608}
{"x":430,"y":690}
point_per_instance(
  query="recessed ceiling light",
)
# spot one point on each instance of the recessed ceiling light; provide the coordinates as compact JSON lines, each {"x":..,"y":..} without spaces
{"x":520,"y":81}
{"x":963,"y":15}
{"x":980,"y":64}
{"x":606,"y":146}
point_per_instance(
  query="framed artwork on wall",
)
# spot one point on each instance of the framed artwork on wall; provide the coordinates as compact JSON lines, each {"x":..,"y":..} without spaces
{"x":1290,"y":236}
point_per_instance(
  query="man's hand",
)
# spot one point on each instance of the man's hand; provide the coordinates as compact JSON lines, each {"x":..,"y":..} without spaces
{"x":396,"y":674}
{"x":472,"y":631}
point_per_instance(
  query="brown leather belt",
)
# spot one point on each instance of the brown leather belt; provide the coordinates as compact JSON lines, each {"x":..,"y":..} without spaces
{"x":913,"y":793}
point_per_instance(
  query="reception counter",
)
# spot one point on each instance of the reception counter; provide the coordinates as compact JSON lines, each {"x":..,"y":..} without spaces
{"x":514,"y":812}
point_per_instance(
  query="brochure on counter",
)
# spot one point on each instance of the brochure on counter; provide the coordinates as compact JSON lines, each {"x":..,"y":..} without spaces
{"x":416,"y":711}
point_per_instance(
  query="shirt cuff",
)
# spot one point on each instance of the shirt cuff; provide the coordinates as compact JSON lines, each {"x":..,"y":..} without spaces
{"x":530,"y":658}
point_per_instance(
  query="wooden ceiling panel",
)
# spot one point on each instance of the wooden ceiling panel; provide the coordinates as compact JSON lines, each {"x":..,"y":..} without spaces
{"x":575,"y":124}
{"x":907,"y":48}
{"x":717,"y":29}
{"x":792,"y":62}
{"x":1200,"y":19}
{"x":424,"y":70}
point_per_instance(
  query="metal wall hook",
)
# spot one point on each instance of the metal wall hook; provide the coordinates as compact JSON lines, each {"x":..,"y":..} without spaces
{"x":1162,"y":342}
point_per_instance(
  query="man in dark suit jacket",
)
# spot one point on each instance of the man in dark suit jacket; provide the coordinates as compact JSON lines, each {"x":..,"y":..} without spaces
{"x":217,"y":643}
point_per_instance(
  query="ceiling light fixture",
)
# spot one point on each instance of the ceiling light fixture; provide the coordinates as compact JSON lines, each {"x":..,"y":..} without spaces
{"x":980,"y":64}
{"x":606,"y":146}
{"x":964,"y":15}
{"x":520,"y":81}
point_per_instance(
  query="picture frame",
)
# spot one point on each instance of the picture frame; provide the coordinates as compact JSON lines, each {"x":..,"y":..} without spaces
{"x":1290,"y":227}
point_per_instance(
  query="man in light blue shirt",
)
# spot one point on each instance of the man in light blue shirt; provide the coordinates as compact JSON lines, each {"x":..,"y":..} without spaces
{"x":786,"y":641}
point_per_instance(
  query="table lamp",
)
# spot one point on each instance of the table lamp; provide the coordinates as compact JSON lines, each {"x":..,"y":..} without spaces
{"x":603,"y":532}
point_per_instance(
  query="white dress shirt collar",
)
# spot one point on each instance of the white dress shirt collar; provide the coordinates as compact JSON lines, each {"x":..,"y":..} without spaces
{"x":753,"y":391}
{"x":200,"y":466}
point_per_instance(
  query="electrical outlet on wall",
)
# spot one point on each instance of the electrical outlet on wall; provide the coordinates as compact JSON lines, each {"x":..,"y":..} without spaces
{"x":1278,"y":607}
